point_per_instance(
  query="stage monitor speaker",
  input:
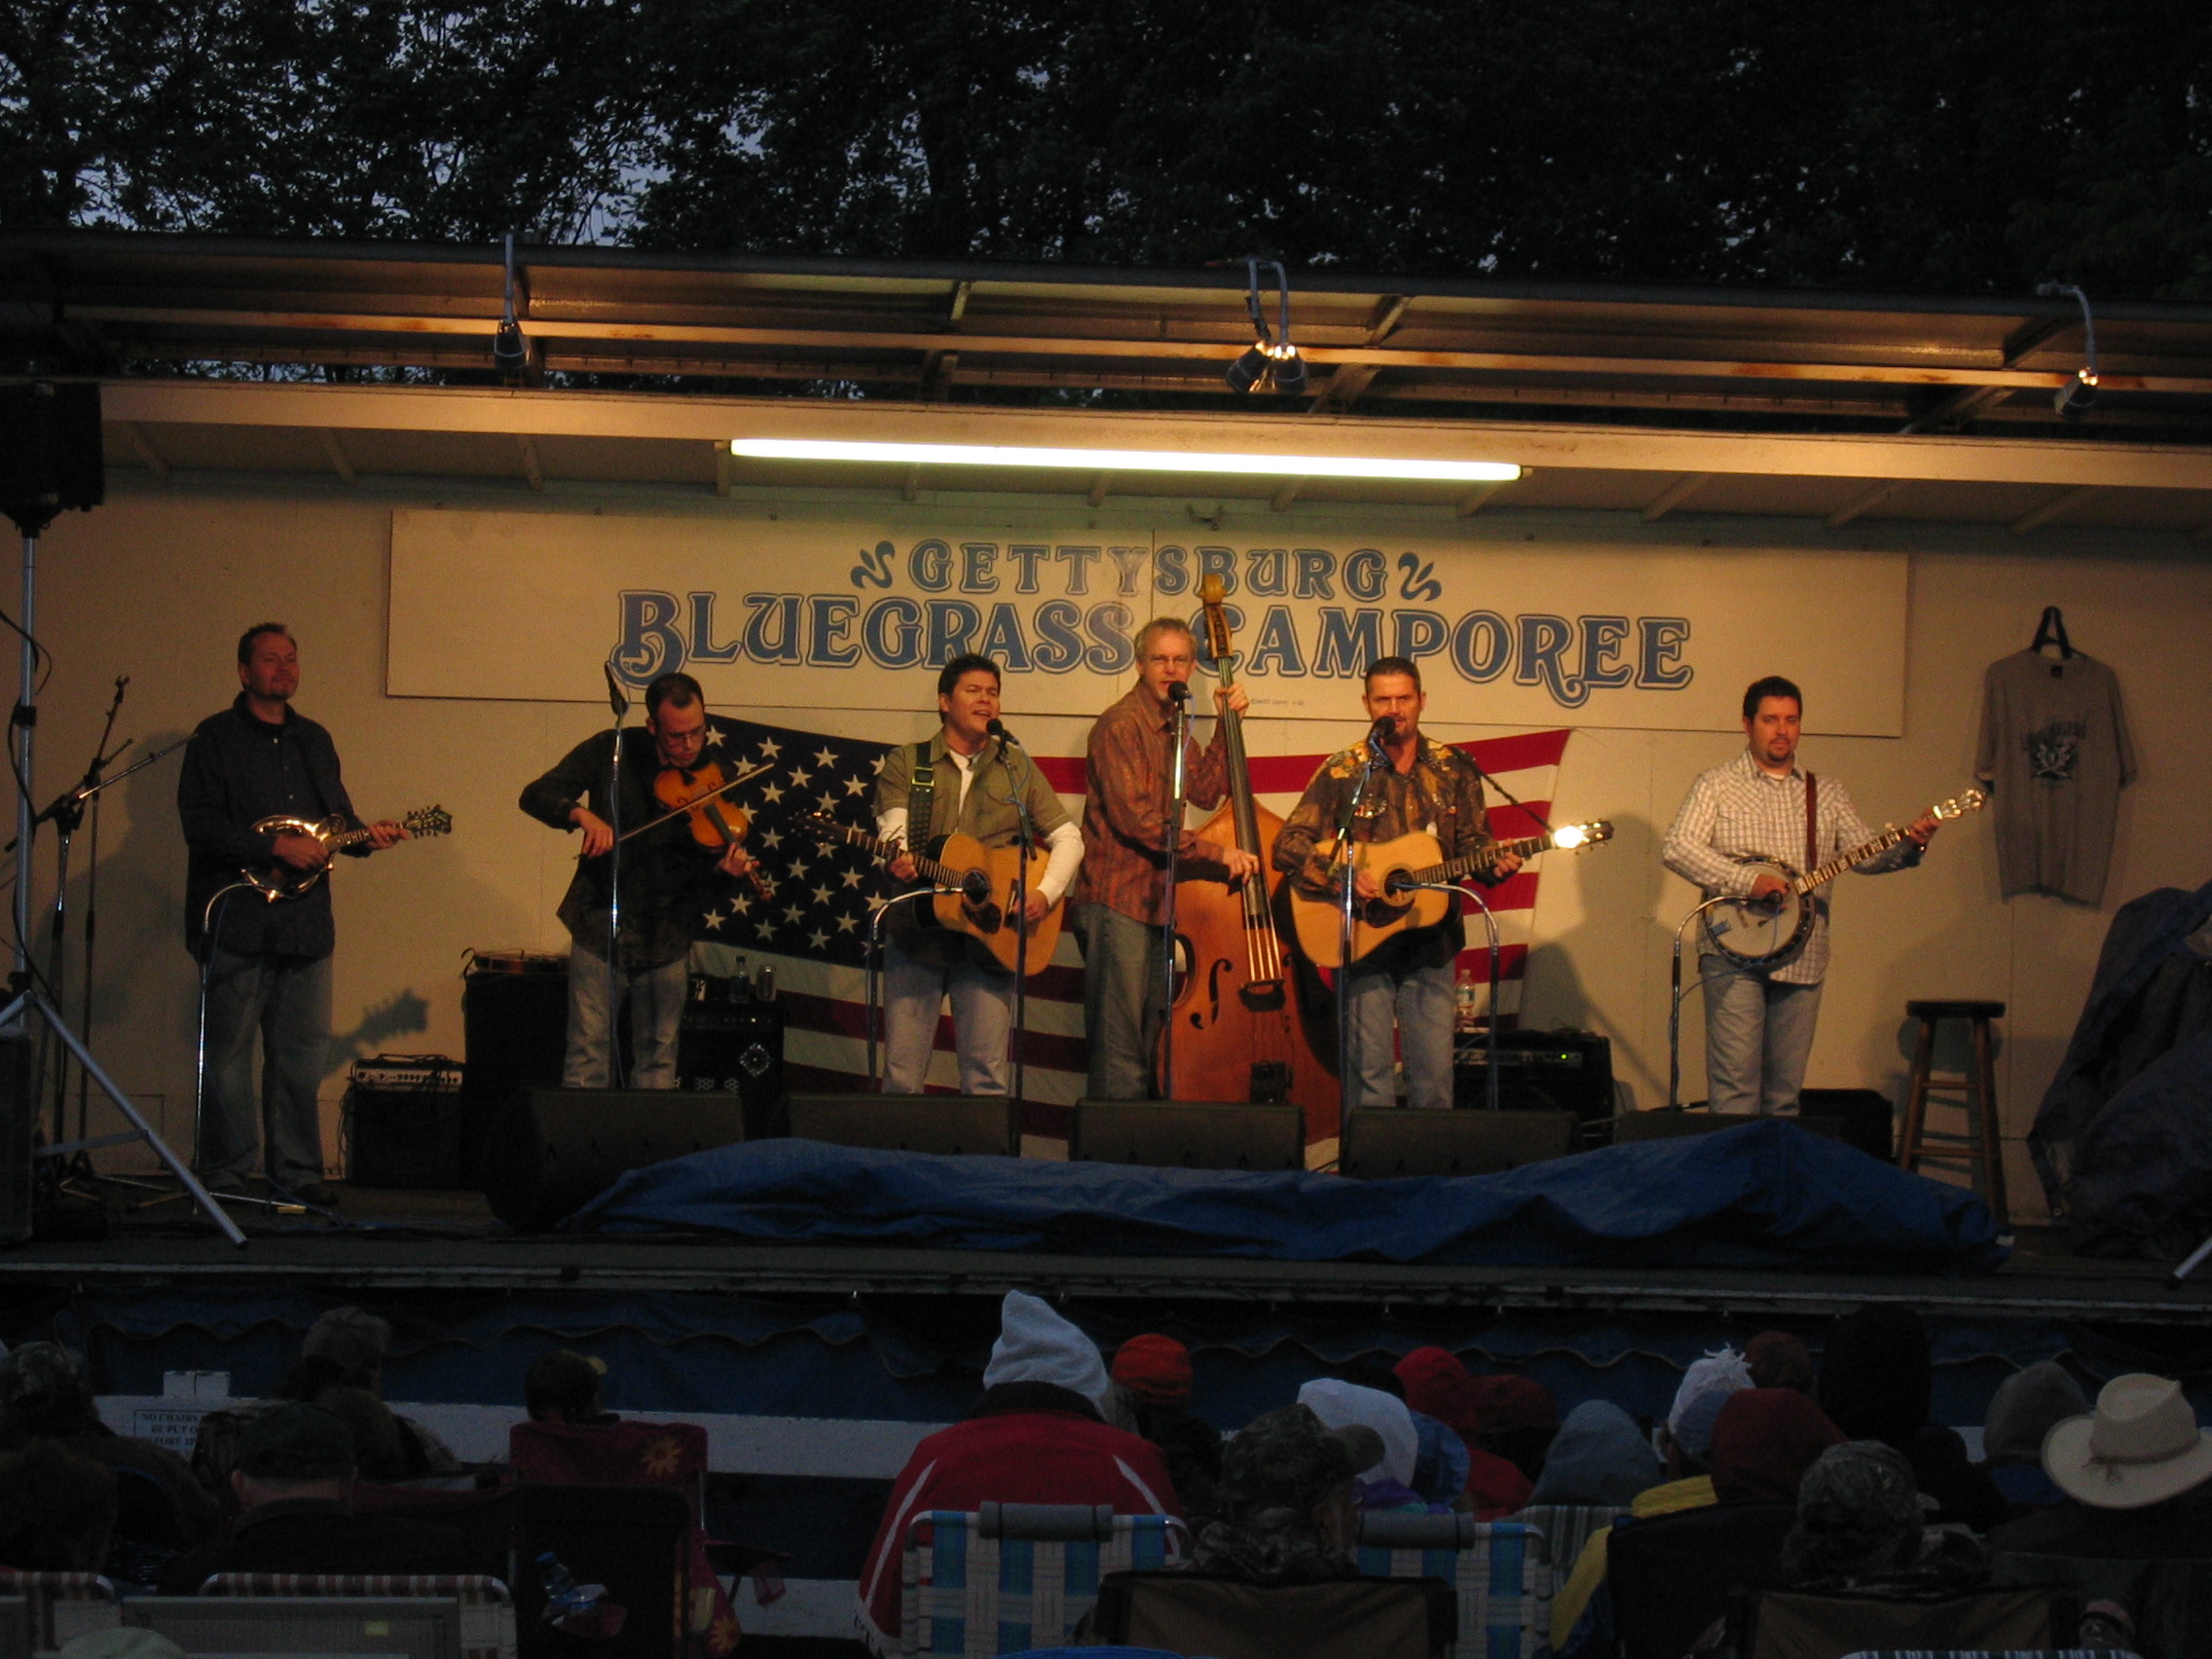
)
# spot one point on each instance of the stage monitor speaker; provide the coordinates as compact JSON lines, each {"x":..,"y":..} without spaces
{"x":18,"y":1121}
{"x":1537,"y":1070}
{"x":1382,"y":1141}
{"x":1189,"y":1134}
{"x":50,"y":458}
{"x":1866,"y":1117}
{"x":1661,"y":1123}
{"x":948,"y":1124}
{"x":514,"y":1020}
{"x":554,"y":1150}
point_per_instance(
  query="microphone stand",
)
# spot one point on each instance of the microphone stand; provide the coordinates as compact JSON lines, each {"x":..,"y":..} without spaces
{"x":1676,"y":993}
{"x":875,"y":974}
{"x":620,"y":702}
{"x":1490,"y":922}
{"x":1347,"y":1085}
{"x":1026,"y":838}
{"x":1171,"y":835}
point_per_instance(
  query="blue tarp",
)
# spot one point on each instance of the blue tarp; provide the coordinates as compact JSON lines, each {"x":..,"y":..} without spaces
{"x":1764,"y":1195}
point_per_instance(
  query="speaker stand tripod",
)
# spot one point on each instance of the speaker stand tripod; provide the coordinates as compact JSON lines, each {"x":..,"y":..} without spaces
{"x":25,"y":999}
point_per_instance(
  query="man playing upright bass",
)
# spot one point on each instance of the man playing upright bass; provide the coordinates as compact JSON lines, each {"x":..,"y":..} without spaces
{"x":1120,"y":891}
{"x":1405,"y":983}
{"x":961,"y":780}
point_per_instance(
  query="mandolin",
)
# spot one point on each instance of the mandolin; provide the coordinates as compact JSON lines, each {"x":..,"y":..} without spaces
{"x":1756,"y":933}
{"x":276,"y":880}
{"x":976,"y":888}
{"x":1416,"y":858}
{"x":1251,"y":1020}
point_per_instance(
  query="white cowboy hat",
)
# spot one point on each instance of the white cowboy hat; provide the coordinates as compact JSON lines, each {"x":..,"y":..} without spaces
{"x":2141,"y":1446}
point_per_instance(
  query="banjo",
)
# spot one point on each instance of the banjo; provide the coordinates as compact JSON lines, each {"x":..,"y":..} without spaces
{"x":1759,"y":932}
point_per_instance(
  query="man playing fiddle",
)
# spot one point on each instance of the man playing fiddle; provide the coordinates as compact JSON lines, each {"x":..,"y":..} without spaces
{"x":667,"y":876}
{"x":1121,"y":898}
{"x":963,"y":780}
{"x":1405,"y":983}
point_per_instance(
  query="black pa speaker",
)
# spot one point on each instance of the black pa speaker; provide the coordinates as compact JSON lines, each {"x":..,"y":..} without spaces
{"x":1661,"y":1123}
{"x":1572,"y":1071}
{"x":19,"y":1120}
{"x":554,"y":1150}
{"x":50,"y":458}
{"x":1186,"y":1134}
{"x":1864,"y":1118}
{"x":1382,"y":1141}
{"x":948,"y":1124}
{"x":514,"y":1020}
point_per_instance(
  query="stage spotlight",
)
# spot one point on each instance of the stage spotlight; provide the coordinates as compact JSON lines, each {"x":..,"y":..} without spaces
{"x":510,"y":347}
{"x":1271,"y":358}
{"x":2078,"y":396}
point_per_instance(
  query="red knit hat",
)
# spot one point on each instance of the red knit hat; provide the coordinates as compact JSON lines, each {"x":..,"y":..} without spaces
{"x":1154,"y":1368}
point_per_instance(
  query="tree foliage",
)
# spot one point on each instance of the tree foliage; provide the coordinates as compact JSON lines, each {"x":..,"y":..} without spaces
{"x":1960,"y":145}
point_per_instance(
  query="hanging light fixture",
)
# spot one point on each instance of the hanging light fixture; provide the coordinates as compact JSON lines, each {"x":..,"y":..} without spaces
{"x":1272,"y":359}
{"x":2078,"y":396}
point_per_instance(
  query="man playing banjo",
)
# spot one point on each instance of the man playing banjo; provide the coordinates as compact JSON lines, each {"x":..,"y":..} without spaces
{"x":1759,"y":1018}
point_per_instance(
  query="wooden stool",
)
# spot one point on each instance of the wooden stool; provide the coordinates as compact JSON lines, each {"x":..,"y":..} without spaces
{"x":1985,"y":1146}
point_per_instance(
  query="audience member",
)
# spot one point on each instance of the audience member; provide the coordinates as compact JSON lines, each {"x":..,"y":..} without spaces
{"x":1861,"y":1523}
{"x":294,"y":1481}
{"x":1877,"y":1383}
{"x":563,"y":1385}
{"x":1600,"y":1458}
{"x":1038,"y":1436}
{"x":1152,"y":1383}
{"x":1763,"y":1440}
{"x":161,"y":1508}
{"x":1518,"y":1417}
{"x":125,"y":1642}
{"x":2027,"y":1405}
{"x":1776,"y":1359}
{"x":1436,"y":1385}
{"x":344,"y":1348}
{"x":1287,"y":1506}
{"x":1687,"y":1439}
{"x":56,"y":1509}
{"x":1388,"y":1482}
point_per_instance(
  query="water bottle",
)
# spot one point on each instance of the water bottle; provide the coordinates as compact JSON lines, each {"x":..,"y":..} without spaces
{"x":764,"y":982}
{"x":564,"y":1596}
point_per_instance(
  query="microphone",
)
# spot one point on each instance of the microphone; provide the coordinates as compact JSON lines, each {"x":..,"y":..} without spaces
{"x":1007,"y":739}
{"x":1380,"y":732}
{"x":1178,"y":691}
{"x":617,"y":699}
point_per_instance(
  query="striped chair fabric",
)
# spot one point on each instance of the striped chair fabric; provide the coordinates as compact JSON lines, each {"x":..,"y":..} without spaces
{"x":1014,"y":1576}
{"x":1501,"y":1569}
{"x":487,"y":1611}
{"x":64,"y":1606}
{"x":1567,"y":1530}
{"x":1993,"y":1653}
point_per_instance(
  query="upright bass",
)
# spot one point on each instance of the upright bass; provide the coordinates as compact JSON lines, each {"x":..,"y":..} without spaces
{"x":1252,"y":1020}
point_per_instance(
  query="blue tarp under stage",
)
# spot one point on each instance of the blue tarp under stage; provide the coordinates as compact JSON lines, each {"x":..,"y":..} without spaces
{"x":1766,"y":1194}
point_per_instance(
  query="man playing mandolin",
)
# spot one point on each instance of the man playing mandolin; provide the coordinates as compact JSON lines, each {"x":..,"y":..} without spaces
{"x":1759,"y":1020}
{"x":1406,"y":983}
{"x":262,"y":759}
{"x":667,"y":876}
{"x":962,"y":781}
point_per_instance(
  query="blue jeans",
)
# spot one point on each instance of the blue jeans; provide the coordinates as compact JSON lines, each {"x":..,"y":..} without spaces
{"x":1122,"y":1001}
{"x":920,"y":973}
{"x":284,"y":1001}
{"x":1416,"y":1005}
{"x":656,"y":1018}
{"x":1758,"y":1035}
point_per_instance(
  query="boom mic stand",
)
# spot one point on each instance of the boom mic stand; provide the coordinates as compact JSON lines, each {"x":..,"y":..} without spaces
{"x":1026,"y":838}
{"x":1172,"y":845}
{"x":618,"y":700}
{"x":1490,"y":922}
{"x":25,"y":996}
{"x":1676,"y":993}
{"x":1347,"y":1086}
{"x":875,"y":974}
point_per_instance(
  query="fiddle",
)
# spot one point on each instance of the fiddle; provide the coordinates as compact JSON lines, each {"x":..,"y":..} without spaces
{"x":697,"y":794}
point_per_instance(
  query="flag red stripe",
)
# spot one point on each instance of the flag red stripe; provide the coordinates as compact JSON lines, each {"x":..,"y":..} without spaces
{"x":1518,"y":751}
{"x":1289,"y":774}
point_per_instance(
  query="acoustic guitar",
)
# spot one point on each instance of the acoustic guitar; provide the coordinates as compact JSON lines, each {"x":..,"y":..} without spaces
{"x":1754,"y":933}
{"x":277,"y":879}
{"x":1396,"y":865}
{"x":975,"y":886}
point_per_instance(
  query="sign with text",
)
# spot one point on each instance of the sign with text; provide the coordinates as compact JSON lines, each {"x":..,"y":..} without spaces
{"x":851,"y":614}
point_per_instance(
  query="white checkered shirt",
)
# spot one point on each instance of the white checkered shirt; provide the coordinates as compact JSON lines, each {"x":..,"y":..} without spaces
{"x":1736,"y":808}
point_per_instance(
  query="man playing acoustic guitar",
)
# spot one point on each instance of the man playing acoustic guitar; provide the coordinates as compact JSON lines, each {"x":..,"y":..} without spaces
{"x":1758,"y":1021}
{"x":963,"y":781}
{"x":1405,"y":984}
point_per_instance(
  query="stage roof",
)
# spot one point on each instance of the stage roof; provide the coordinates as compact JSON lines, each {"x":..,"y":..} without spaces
{"x":366,"y":362}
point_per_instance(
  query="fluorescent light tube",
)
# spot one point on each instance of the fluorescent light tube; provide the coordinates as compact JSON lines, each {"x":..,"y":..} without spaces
{"x":1129,"y":460}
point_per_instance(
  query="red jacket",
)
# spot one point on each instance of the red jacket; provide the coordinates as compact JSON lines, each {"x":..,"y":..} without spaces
{"x":1009,"y":1457}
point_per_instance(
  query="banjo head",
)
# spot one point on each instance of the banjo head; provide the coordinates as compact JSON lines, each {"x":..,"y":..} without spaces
{"x":1749,"y":934}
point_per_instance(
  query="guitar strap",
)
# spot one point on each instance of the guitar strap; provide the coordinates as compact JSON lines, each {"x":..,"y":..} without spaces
{"x":921,"y":798}
{"x":1812,"y":822}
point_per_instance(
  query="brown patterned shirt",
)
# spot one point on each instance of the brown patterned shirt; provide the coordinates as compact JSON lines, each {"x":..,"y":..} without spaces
{"x":1124,"y":805}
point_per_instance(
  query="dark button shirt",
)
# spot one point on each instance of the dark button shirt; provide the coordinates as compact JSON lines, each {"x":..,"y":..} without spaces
{"x":236,"y":771}
{"x":1124,"y":805}
{"x":667,"y":876}
{"x":312,"y":1534}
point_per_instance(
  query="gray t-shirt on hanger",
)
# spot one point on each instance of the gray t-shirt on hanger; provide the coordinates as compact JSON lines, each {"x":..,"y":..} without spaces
{"x":2055,"y":754}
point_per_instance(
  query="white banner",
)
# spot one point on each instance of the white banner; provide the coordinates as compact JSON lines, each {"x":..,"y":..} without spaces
{"x":855,"y":614}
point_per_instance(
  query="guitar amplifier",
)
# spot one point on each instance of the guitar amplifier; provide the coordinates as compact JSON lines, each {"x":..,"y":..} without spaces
{"x":1567,"y":1071}
{"x":401,"y":1122}
{"x":731,"y":1047}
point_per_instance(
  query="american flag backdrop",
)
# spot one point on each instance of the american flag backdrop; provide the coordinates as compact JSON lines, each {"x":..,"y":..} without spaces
{"x":814,"y":930}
